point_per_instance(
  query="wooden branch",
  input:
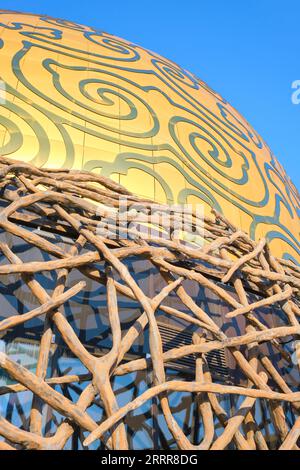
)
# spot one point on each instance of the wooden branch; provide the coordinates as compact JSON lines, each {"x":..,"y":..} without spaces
{"x":226,"y":267}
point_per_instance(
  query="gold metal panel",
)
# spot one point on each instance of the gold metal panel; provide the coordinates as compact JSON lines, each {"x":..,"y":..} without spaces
{"x":80,"y":98}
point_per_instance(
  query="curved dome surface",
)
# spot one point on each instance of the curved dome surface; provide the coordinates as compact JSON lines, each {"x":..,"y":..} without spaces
{"x":78,"y":97}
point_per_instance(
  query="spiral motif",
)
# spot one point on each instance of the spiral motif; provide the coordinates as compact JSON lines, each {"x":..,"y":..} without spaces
{"x":78,"y":97}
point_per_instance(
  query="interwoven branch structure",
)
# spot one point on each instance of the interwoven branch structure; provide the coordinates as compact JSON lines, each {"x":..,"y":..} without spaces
{"x":74,"y":203}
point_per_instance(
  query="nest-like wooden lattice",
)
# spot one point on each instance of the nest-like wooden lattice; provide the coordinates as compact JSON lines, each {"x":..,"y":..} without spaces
{"x":74,"y":203}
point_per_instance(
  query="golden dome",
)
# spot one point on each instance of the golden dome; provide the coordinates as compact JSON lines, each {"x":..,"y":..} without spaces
{"x":78,"y":97}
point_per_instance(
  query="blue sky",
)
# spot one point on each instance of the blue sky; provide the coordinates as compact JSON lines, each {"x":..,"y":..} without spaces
{"x":247,"y":51}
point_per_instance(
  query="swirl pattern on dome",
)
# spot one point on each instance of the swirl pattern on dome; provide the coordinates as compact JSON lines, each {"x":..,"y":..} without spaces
{"x":78,"y":97}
